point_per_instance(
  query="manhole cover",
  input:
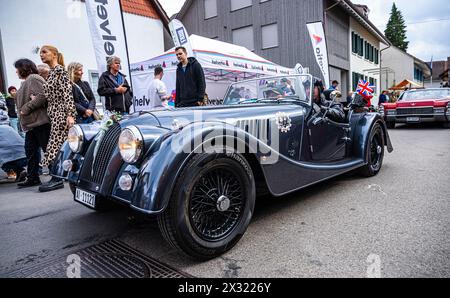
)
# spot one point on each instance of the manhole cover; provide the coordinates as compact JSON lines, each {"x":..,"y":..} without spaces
{"x":111,"y":259}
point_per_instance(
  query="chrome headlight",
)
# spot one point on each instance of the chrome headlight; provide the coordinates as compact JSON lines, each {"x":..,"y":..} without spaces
{"x":131,"y":144}
{"x":439,"y":110}
{"x":75,"y":138}
{"x":392,"y":112}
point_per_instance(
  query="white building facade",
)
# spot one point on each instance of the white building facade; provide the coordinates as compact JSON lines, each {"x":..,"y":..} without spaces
{"x":397,"y":65}
{"x":26,"y":25}
{"x":365,"y":57}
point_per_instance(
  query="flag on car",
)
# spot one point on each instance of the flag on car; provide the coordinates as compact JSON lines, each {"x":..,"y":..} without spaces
{"x":365,"y":89}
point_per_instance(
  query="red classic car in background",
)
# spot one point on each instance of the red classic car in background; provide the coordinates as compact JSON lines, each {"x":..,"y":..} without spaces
{"x":417,"y":106}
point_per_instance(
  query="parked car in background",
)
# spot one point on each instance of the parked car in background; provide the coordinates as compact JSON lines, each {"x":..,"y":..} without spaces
{"x":200,"y":169}
{"x":417,"y":106}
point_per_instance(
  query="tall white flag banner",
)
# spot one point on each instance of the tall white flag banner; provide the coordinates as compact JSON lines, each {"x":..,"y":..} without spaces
{"x":180,"y":36}
{"x":107,"y":32}
{"x":319,"y":44}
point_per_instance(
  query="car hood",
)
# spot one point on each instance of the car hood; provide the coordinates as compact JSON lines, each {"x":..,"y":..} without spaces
{"x":420,"y":102}
{"x":228,"y":114}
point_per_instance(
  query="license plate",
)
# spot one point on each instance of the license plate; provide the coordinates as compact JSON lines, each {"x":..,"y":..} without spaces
{"x":413,"y":119}
{"x":85,"y":197}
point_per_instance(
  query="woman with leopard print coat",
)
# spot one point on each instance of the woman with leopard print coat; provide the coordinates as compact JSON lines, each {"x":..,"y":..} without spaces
{"x":61,"y":109}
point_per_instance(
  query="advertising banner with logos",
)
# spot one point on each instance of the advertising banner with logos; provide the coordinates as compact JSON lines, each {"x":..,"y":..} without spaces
{"x":319,"y":44}
{"x":107,"y":32}
{"x":223,"y":63}
{"x":180,"y":36}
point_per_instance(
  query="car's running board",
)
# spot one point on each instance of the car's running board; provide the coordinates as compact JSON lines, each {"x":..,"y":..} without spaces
{"x":338,"y":165}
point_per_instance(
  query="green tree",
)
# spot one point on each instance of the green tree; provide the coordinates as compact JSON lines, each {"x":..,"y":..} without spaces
{"x":396,"y":29}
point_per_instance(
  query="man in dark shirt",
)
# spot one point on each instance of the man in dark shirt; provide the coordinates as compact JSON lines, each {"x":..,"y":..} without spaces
{"x":383,"y":97}
{"x":191,"y":85}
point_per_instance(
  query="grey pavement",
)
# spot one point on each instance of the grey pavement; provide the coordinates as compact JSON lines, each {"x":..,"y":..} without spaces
{"x":335,"y":229}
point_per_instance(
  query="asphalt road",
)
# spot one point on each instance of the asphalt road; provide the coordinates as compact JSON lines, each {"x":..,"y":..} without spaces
{"x":341,"y":228}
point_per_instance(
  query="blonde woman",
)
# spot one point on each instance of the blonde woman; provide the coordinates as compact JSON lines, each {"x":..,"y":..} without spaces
{"x":60,"y":110}
{"x":83,"y":96}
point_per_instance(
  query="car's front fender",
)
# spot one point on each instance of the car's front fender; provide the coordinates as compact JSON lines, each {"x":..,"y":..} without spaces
{"x":158,"y":174}
{"x":64,"y":154}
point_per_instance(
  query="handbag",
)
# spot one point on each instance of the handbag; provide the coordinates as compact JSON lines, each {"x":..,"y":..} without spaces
{"x":95,"y":113}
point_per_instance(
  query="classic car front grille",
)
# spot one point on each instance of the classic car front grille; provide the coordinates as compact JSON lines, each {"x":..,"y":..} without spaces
{"x":101,"y":160}
{"x":415,"y":111}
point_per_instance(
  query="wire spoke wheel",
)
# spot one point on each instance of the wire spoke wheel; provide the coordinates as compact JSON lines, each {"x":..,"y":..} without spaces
{"x":216,"y":203}
{"x":211,"y":206}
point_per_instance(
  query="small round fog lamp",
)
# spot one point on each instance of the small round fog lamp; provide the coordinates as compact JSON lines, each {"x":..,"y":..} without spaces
{"x":125,"y":182}
{"x":67,"y":165}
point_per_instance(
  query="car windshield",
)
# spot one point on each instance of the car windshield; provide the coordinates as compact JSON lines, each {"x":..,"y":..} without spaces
{"x":426,"y":94}
{"x":295,"y":88}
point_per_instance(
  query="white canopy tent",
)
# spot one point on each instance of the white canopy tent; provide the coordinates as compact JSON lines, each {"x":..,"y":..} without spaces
{"x":223,"y":63}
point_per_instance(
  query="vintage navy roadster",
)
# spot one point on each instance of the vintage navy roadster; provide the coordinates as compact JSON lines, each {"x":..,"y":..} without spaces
{"x":200,"y":170}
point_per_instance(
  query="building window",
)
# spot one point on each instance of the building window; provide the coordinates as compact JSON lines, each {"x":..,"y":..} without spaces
{"x":366,"y":50}
{"x":238,"y":4}
{"x":377,"y":55}
{"x":358,"y":44}
{"x":210,"y":9}
{"x":355,"y":80}
{"x":354,"y":49}
{"x":372,"y":53}
{"x":361,"y":47}
{"x":269,"y":36}
{"x":244,"y":37}
{"x":418,"y":75}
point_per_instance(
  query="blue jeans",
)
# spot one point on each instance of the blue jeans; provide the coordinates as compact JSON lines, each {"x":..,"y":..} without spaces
{"x":14,"y":123}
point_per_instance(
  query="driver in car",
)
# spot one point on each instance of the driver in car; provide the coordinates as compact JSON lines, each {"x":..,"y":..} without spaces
{"x":332,"y":109}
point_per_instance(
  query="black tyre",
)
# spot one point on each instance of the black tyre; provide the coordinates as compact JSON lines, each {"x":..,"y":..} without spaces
{"x":211,"y":206}
{"x":374,"y":152}
{"x":390,"y":125}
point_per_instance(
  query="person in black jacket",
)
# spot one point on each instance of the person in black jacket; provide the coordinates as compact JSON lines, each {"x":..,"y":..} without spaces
{"x":191,"y":85}
{"x":114,"y":86}
{"x":334,"y":110}
{"x":83,"y":96}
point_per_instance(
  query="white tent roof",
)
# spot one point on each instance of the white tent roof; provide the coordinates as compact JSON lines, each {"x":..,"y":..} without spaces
{"x":221,"y":61}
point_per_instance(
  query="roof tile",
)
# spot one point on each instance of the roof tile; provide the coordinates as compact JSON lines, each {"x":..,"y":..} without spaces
{"x":140,"y":7}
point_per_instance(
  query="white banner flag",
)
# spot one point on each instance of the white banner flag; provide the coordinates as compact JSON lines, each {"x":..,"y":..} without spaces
{"x":180,"y":36}
{"x":319,"y":44}
{"x":107,"y":32}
